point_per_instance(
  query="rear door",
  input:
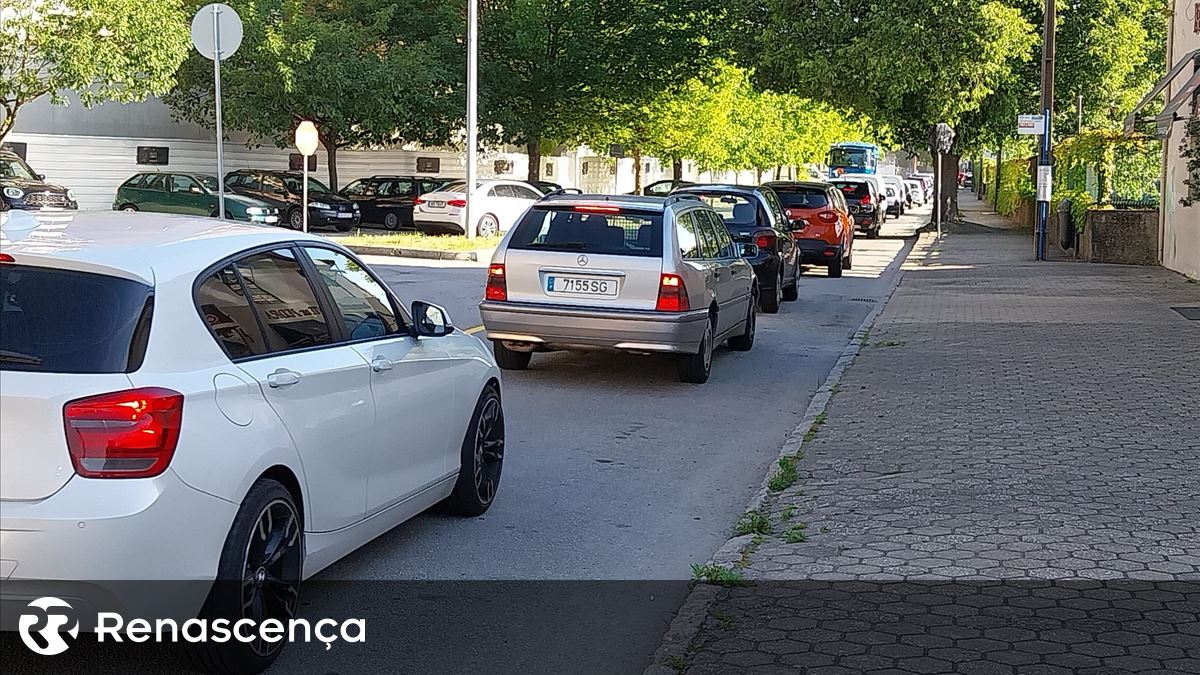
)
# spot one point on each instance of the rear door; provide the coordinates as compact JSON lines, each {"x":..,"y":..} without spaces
{"x":586,"y":255}
{"x":154,"y":194}
{"x":185,"y":195}
{"x":319,"y":386}
{"x":64,"y":335}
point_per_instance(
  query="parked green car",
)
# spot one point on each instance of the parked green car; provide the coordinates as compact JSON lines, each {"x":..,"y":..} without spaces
{"x":188,"y":193}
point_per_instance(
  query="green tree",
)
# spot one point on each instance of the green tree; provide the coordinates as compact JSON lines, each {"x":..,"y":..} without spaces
{"x":120,"y":50}
{"x":363,"y":71}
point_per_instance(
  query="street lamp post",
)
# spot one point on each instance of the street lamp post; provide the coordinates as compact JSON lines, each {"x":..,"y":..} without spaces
{"x":306,"y":143}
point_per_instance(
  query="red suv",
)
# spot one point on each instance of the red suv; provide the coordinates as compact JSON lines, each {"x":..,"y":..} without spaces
{"x":828,"y":237}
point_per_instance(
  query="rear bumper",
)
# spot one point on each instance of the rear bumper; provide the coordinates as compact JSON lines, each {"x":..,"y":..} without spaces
{"x":866,"y":220}
{"x":568,"y":327}
{"x":438,"y":226}
{"x":818,"y":252}
{"x":101,"y":542}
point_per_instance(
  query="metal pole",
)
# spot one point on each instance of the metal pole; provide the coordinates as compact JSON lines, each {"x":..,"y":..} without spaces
{"x":217,"y":103}
{"x":472,"y":108}
{"x":1079,"y":114}
{"x":941,"y":177}
{"x":1049,"y":33}
{"x":304,"y":191}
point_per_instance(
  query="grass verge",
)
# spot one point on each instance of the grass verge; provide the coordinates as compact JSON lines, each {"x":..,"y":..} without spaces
{"x":416,"y":240}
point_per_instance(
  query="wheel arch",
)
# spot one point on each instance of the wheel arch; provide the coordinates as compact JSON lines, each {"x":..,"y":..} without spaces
{"x":285,"y":477}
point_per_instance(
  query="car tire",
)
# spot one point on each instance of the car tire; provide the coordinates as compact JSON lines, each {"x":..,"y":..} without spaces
{"x":846,"y":262}
{"x":391,"y":221}
{"x":482,"y":458}
{"x":791,"y":292}
{"x":745,"y":341}
{"x":835,"y":268}
{"x":695,"y":368}
{"x":245,"y":566}
{"x":488,"y":226}
{"x":343,"y":228}
{"x":295,"y":218}
{"x":873,"y":233}
{"x":509,"y":359}
{"x":129,"y":208}
{"x":769,"y":302}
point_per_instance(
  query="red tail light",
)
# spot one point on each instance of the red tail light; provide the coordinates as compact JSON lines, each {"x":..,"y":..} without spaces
{"x":418,"y":201}
{"x":672,"y":294}
{"x":458,"y":203}
{"x":125,"y":434}
{"x":827,"y":217}
{"x":597,"y":208}
{"x":6,"y":258}
{"x":497,"y":285}
{"x":765,"y":242}
{"x":865,"y":201}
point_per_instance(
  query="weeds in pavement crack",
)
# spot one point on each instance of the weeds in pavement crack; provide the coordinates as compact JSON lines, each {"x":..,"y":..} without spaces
{"x":720,"y":575}
{"x":678,"y":663}
{"x":889,"y":343}
{"x":752,"y":522}
{"x":785,"y":475}
{"x":744,"y":560}
{"x":796,"y":533}
{"x":788,"y":512}
{"x":724,"y":619}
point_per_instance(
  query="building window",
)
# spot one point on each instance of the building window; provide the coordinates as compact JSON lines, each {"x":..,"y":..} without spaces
{"x":428,"y":165}
{"x":585,"y":168}
{"x":17,"y":149}
{"x":549,"y":169}
{"x":296,"y":162}
{"x":503,"y":166}
{"x":153,"y":155}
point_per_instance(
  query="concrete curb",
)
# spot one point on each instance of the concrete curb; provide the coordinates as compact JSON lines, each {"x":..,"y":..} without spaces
{"x":686,"y":624}
{"x":469,"y":256}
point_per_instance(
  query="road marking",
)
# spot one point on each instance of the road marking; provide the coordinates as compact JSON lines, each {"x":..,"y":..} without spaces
{"x":472,"y":331}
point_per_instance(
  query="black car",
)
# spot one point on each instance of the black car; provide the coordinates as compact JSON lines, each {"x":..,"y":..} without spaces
{"x":864,"y":204}
{"x":546,"y":186}
{"x":283,"y":190}
{"x":388,"y":200}
{"x":755,"y":215}
{"x":24,"y":189}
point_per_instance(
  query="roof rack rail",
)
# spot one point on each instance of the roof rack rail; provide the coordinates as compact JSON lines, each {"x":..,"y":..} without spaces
{"x":561,"y":192}
{"x":680,"y":197}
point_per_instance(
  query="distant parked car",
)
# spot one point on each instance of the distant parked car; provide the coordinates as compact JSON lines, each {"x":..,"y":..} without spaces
{"x":284,"y":191}
{"x":24,"y":189}
{"x":866,"y":205}
{"x":663,"y":188}
{"x":191,"y":194}
{"x":754,"y":215}
{"x":630,"y":273}
{"x":917,"y":189}
{"x":825,"y":233}
{"x":904,"y":200}
{"x":497,"y":206}
{"x":389,"y":200}
{"x":546,"y":186}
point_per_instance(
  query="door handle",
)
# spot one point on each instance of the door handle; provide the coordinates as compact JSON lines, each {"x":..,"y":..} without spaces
{"x":380,"y":364}
{"x":283,"y":378}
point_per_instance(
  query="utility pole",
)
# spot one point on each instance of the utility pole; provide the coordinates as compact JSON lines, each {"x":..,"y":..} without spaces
{"x":1043,"y":179}
{"x":472,"y":113}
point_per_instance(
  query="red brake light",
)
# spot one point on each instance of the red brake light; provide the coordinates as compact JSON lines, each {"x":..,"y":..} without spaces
{"x":457,"y":203}
{"x":765,"y":241}
{"x":6,"y":258}
{"x":597,"y":208}
{"x":125,"y":434}
{"x":418,"y":201}
{"x":672,"y":294}
{"x":497,"y":285}
{"x":827,"y":216}
{"x":866,"y":200}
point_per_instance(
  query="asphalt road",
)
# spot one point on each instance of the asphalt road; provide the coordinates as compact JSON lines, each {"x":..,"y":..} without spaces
{"x":617,"y":479}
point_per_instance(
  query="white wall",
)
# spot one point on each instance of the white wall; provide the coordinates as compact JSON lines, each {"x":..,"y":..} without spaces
{"x":1180,"y":224}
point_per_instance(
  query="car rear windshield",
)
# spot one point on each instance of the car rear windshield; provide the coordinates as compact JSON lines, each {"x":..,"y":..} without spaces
{"x":802,"y":198}
{"x":64,"y":321}
{"x":853,"y":190}
{"x":618,"y":232}
{"x":736,"y":210}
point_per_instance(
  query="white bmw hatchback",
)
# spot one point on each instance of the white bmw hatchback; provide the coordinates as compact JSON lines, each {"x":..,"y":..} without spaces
{"x":183,"y":399}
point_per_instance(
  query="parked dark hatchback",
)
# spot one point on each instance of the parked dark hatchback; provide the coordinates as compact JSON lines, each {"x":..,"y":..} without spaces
{"x":754,"y":215}
{"x":24,"y":189}
{"x":388,"y":200}
{"x":283,"y":190}
{"x":864,"y":204}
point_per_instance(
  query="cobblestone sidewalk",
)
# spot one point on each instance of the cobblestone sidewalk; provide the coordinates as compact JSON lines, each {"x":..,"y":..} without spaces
{"x":1007,"y":480}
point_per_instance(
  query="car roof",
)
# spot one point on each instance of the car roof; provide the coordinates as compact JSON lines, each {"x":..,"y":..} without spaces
{"x":719,"y":187}
{"x":639,"y":202}
{"x":132,"y":245}
{"x":797,"y":184}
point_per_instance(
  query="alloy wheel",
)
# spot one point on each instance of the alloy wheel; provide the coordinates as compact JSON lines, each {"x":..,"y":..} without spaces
{"x":489,"y":450}
{"x":271,"y":571}
{"x":391,"y":221}
{"x":296,"y":219}
{"x":488,"y":227}
{"x":707,"y":348}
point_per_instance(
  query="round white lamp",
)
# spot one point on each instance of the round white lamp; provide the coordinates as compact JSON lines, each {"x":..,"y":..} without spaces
{"x":306,"y":143}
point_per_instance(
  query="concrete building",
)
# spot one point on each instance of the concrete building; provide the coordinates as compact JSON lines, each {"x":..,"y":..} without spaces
{"x":1181,"y":224}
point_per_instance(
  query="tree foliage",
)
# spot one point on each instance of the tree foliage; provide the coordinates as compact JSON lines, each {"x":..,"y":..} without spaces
{"x":362,"y":71}
{"x":120,"y":50}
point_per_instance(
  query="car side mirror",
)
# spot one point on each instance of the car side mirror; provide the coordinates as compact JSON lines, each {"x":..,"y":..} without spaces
{"x":40,"y":176}
{"x":430,"y":320}
{"x":799,"y":224}
{"x":750,"y":250}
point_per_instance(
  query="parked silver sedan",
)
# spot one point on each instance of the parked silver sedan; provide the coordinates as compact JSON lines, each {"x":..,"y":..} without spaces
{"x":636,"y":274}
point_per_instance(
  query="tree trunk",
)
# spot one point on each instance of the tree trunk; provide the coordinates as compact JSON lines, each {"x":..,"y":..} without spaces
{"x":999,"y":172}
{"x":534,"y":150}
{"x":758,"y":175}
{"x":7,"y":119}
{"x":677,"y":169}
{"x":948,"y":180}
{"x":637,"y":170}
{"x":331,"y":158}
{"x":778,"y":172}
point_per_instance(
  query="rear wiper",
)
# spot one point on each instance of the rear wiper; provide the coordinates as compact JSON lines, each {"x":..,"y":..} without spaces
{"x":19,"y":358}
{"x":573,"y":245}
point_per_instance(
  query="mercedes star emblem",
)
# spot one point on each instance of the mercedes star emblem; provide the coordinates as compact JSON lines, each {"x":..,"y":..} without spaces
{"x":582,"y":260}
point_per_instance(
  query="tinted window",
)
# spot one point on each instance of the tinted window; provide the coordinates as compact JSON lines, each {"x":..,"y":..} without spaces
{"x":430,"y":185}
{"x":623,"y":233}
{"x":296,"y":184}
{"x":688,"y":234}
{"x":365,"y":309}
{"x":733,"y":209}
{"x":853,"y":190}
{"x":62,"y":321}
{"x":724,"y":241}
{"x":184,"y":184}
{"x":135,"y":181}
{"x":226,"y":311}
{"x":274,"y":184}
{"x":803,"y":198}
{"x":358,"y":187}
{"x":501,"y":191}
{"x":709,"y":246}
{"x":155,"y":181}
{"x":776,"y":207}
{"x":397,"y":188}
{"x":522,"y":192}
{"x":285,"y":301}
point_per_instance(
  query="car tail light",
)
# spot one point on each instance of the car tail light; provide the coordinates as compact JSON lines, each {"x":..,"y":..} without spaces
{"x":125,"y":434}
{"x":865,"y":201}
{"x":597,"y":208}
{"x":672,"y":294}
{"x":457,"y":203}
{"x":6,"y":258}
{"x":827,"y":217}
{"x":497,"y":285}
{"x":418,"y":201}
{"x":765,"y":241}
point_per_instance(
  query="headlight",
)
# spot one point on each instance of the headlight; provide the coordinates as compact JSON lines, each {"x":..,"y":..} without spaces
{"x":255,"y":211}
{"x":318,"y":205}
{"x":13,"y":193}
{"x":70,"y":194}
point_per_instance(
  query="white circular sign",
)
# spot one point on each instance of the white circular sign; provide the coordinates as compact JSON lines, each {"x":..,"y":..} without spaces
{"x":216,"y":26}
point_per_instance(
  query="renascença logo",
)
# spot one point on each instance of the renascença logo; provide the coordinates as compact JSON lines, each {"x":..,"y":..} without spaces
{"x":55,"y":622}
